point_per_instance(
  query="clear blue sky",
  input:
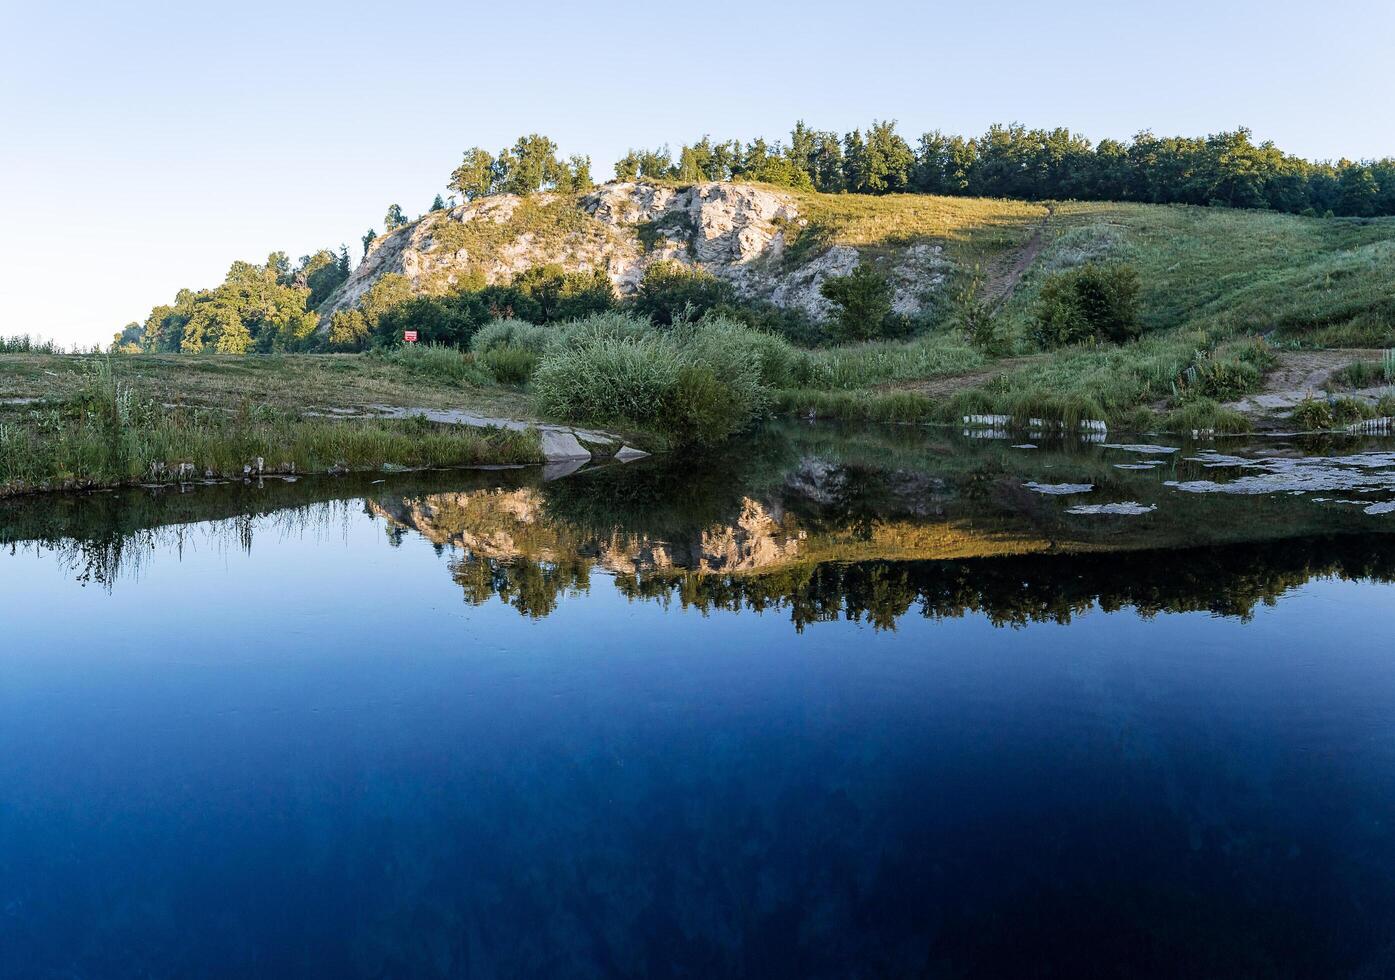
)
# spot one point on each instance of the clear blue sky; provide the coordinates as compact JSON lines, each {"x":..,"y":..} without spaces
{"x":148,"y":145}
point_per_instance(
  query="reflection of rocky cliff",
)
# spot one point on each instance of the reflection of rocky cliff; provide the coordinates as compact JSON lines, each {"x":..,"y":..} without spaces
{"x":506,"y":525}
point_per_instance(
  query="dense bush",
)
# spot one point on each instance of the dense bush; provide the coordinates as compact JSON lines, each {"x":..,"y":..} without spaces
{"x":862,"y":300}
{"x":1091,"y":302}
{"x":511,"y":333}
{"x":1311,"y":415}
{"x":510,"y":365}
{"x":697,"y":385}
{"x":672,"y":293}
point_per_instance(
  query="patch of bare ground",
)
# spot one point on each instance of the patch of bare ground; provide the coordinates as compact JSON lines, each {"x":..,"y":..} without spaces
{"x":1303,"y":374}
{"x":1007,"y":272}
{"x":951,"y":383}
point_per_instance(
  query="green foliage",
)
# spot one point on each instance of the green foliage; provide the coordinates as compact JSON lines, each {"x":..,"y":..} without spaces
{"x":510,"y":365}
{"x":1311,"y":415}
{"x":1093,"y":302}
{"x":547,"y":294}
{"x":475,"y":176}
{"x":1365,"y":374}
{"x":395,"y":218}
{"x":863,"y":300}
{"x":439,"y":363}
{"x":1346,"y":411}
{"x":257,"y":308}
{"x":348,"y":330}
{"x":25,"y":344}
{"x":974,"y":319}
{"x":511,"y":333}
{"x":718,"y":338}
{"x":1225,"y":376}
{"x":696,"y":385}
{"x":1206,"y":415}
{"x":671,"y":293}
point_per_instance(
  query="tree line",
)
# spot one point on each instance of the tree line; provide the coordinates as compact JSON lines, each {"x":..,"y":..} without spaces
{"x":257,"y":308}
{"x":1223,"y":169}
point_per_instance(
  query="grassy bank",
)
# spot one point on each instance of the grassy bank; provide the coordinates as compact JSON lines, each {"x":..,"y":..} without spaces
{"x":106,"y":432}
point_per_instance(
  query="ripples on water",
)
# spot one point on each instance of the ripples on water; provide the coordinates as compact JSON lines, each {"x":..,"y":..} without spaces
{"x":860,"y":703}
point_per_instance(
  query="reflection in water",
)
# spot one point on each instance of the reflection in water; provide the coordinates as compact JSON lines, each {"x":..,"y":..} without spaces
{"x":325,"y":763}
{"x":868,"y":528}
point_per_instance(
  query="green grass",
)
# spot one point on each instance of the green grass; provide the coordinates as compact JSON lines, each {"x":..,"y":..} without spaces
{"x":884,"y":362}
{"x":108,"y":432}
{"x":1212,"y":281}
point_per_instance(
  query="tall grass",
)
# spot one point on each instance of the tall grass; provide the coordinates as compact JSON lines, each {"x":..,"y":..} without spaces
{"x":438,"y":363}
{"x":696,"y":385}
{"x":108,"y":434}
{"x":884,"y":362}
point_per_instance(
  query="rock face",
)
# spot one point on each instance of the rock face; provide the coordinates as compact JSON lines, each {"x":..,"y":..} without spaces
{"x":736,"y":231}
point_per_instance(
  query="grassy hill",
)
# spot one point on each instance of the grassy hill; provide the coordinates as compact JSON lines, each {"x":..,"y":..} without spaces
{"x":1225,"y":297}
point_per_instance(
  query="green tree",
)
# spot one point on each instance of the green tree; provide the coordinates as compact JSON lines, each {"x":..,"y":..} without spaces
{"x":672,"y":293}
{"x":1093,"y":302}
{"x":863,"y":300}
{"x":530,"y":166}
{"x":474,"y":177}
{"x":888,"y":160}
{"x":395,"y":218}
{"x":348,"y":330}
{"x":627,"y":167}
{"x":369,"y":238}
{"x":438,"y":203}
{"x":1359,"y":192}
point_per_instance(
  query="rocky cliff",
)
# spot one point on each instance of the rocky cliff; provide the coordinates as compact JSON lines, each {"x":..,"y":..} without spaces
{"x":739,"y":232}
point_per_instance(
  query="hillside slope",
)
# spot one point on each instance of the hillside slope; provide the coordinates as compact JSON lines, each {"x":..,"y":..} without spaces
{"x":772,"y":244}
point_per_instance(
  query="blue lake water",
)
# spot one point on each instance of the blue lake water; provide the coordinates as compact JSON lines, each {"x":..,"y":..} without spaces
{"x":480,"y":726}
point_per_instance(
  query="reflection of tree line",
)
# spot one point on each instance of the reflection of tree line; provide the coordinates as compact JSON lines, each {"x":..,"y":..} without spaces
{"x":1230,"y":580}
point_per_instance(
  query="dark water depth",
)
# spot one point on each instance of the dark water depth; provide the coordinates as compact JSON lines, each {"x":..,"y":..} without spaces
{"x":862,"y":703}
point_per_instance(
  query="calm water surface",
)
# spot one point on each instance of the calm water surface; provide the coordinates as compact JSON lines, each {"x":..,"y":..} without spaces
{"x":862,"y":705}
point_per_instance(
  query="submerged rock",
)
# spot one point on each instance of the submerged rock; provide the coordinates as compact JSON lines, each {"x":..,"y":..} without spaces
{"x":1128,"y":508}
{"x":1060,"y":489}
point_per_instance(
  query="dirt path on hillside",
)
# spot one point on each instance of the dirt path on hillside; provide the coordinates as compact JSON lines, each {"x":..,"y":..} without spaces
{"x":950,"y":383}
{"x":1004,"y":276}
{"x":1305,"y":374}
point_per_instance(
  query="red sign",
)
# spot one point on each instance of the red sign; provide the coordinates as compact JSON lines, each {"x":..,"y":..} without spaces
{"x":410,"y":336}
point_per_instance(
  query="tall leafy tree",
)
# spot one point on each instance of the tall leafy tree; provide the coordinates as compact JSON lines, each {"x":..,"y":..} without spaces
{"x":475,"y":176}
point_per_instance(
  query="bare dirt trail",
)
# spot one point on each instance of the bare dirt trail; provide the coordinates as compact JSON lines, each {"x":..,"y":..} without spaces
{"x":1004,"y":276}
{"x":1002,"y":280}
{"x":951,"y":383}
{"x":1306,"y":374}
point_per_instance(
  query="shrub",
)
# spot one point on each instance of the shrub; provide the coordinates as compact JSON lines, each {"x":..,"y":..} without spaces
{"x":1091,"y":302}
{"x":1312,"y":415}
{"x":1347,"y":411}
{"x":863,"y":300}
{"x":672,"y":293}
{"x":684,"y":385}
{"x":613,"y":324}
{"x":510,"y":365}
{"x":511,"y":333}
{"x":973,"y":317}
{"x":793,"y":323}
{"x":720,"y":338}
